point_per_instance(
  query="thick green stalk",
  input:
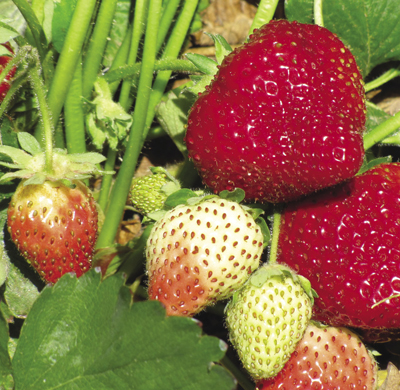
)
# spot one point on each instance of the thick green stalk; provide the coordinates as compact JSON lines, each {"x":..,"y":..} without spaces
{"x":74,"y":116}
{"x":172,"y":50}
{"x":318,"y":16}
{"x":48,"y":126}
{"x":121,"y":187}
{"x":97,"y":44}
{"x":265,"y":13}
{"x":382,"y":131}
{"x":275,"y":236}
{"x":173,"y":65}
{"x":69,"y":56}
{"x":107,"y":179}
{"x":166,"y":21}
{"x":137,"y":32}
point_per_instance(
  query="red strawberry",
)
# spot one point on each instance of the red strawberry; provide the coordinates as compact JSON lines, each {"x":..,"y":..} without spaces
{"x":346,"y":241}
{"x":283,"y":117}
{"x":54,"y":227}
{"x":326,"y":359}
{"x":201,"y":253}
{"x":4,"y":60}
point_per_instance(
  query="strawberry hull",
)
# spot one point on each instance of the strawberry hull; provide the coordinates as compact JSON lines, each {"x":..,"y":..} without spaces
{"x":283,"y":117}
{"x":345,"y":241}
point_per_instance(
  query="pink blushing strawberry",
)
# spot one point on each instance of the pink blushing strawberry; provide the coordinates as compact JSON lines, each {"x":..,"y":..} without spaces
{"x":199,"y":254}
{"x":54,"y":227}
{"x":283,"y":117}
{"x":327,"y":358}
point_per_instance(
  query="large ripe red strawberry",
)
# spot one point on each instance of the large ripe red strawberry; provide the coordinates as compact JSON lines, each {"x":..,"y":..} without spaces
{"x":283,"y":117}
{"x":197,"y":254}
{"x":327,"y":358}
{"x":4,"y":60}
{"x":54,"y":227}
{"x":346,"y":241}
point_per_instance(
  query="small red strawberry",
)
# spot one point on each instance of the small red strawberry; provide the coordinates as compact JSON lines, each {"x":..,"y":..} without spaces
{"x":346,"y":241}
{"x":4,"y":60}
{"x":197,"y":254}
{"x":52,"y":217}
{"x":327,"y":358}
{"x":54,"y":227}
{"x":283,"y":117}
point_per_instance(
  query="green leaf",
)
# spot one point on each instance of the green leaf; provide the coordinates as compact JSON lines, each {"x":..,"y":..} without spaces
{"x":300,"y":10}
{"x":265,"y":231}
{"x":222,"y":47}
{"x":7,"y":134}
{"x":6,"y":34}
{"x":11,"y":16}
{"x":179,"y":197}
{"x":172,"y":115}
{"x":85,"y":334}
{"x":63,"y":12}
{"x":237,"y":195}
{"x":6,"y":379}
{"x":204,"y":64}
{"x":367,"y":165}
{"x":369,"y":28}
{"x":29,"y":143}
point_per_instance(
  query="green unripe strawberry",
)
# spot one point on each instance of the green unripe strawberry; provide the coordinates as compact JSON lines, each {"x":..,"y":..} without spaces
{"x":148,"y":193}
{"x":267,"y":317}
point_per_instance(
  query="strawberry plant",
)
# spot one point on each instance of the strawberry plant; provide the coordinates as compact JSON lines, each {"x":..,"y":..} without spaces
{"x":177,"y":220}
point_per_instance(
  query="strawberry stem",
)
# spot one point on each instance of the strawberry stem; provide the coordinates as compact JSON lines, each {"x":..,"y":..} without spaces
{"x":275,"y":235}
{"x":381,"y":131}
{"x":240,"y":376}
{"x":384,"y":78}
{"x":122,"y":184}
{"x":265,"y":13}
{"x":318,"y":17}
{"x":48,"y":126}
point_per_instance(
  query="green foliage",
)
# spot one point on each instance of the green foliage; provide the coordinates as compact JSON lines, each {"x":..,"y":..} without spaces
{"x":125,"y":345}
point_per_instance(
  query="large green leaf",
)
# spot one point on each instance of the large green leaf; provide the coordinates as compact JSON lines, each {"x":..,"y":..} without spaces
{"x":85,"y":334}
{"x":6,"y":379}
{"x":370,"y":28}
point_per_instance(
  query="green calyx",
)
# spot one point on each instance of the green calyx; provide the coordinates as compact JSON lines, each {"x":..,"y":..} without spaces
{"x":30,"y":162}
{"x":278,"y":271}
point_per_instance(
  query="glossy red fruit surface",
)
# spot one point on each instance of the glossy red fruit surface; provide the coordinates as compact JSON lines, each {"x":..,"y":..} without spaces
{"x":346,"y":241}
{"x":326,"y":359}
{"x":283,"y":117}
{"x":4,"y":60}
{"x":54,"y":227}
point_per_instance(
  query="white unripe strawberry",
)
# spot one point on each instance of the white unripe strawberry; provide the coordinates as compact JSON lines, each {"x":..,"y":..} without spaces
{"x":267,"y":317}
{"x":198,"y":254}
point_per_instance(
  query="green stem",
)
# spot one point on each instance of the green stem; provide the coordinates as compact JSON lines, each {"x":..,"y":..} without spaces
{"x":48,"y":126}
{"x":107,"y":179}
{"x":318,"y":16}
{"x":265,"y":13}
{"x":242,"y":378}
{"x":387,"y":76}
{"x":121,"y":58}
{"x":137,"y":32}
{"x":166,"y":21}
{"x":71,"y":51}
{"x":98,"y":42}
{"x":382,"y":131}
{"x":174,"y":65}
{"x":122,"y":184}
{"x":276,"y":226}
{"x":74,"y":116}
{"x":172,"y":50}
